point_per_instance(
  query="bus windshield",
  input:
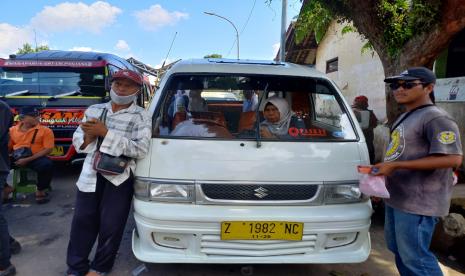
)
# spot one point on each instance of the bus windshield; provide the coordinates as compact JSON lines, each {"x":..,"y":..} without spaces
{"x":52,"y":81}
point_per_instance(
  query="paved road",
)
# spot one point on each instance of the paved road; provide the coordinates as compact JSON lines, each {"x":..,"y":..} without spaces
{"x":43,"y":231}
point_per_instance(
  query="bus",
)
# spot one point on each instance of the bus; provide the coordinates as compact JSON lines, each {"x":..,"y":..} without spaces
{"x":61,"y":85}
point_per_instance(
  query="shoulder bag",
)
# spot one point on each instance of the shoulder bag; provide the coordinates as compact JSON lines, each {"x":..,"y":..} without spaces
{"x":105,"y":163}
{"x":24,"y":152}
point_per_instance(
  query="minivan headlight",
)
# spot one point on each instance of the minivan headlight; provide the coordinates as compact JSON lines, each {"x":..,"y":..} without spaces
{"x":342,"y":193}
{"x":147,"y":189}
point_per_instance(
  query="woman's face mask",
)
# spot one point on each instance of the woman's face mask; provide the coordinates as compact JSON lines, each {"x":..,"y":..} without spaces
{"x":122,"y":100}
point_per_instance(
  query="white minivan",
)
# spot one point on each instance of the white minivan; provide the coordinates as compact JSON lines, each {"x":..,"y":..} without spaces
{"x":213,"y":189}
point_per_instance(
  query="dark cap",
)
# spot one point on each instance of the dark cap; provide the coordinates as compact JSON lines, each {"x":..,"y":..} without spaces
{"x":415,"y":73}
{"x":29,"y":111}
{"x":129,"y":75}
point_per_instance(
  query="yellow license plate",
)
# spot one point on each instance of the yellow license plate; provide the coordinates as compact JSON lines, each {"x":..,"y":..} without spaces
{"x":261,"y":230}
{"x":57,"y":151}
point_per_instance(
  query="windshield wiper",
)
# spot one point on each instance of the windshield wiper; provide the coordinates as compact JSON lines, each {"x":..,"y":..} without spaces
{"x":16,"y":93}
{"x":70,"y":93}
{"x":257,"y":118}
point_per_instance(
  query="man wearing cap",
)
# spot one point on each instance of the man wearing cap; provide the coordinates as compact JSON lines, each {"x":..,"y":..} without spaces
{"x":103,"y":201}
{"x":424,"y":148}
{"x":29,"y":133}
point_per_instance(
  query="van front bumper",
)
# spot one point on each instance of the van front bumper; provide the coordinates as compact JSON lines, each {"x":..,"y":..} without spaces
{"x":185,"y":233}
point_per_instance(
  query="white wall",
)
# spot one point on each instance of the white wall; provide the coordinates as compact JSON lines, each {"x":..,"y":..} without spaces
{"x":358,"y":74}
{"x":362,"y":74}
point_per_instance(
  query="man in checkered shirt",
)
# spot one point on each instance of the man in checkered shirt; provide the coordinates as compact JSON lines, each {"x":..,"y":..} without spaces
{"x":103,"y":201}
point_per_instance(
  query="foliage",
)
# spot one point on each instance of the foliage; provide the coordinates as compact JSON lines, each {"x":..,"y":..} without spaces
{"x":316,"y":17}
{"x":440,"y":65}
{"x":367,"y":47}
{"x":403,"y":19}
{"x":348,"y":29}
{"x":27,"y":48}
{"x":213,"y":56}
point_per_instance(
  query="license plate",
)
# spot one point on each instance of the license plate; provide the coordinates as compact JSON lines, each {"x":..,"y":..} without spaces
{"x":261,"y":230}
{"x":57,"y":151}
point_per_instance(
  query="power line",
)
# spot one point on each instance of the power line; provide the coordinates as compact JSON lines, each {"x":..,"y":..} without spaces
{"x":245,"y":25}
{"x":248,"y":18}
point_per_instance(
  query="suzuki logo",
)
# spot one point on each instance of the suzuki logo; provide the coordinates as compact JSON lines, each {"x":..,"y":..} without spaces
{"x":260,"y":192}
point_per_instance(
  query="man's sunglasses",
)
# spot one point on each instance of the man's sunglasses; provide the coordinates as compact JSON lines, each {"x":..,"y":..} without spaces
{"x":405,"y":85}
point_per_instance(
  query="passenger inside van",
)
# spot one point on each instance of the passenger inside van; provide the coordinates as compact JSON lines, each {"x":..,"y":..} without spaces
{"x":196,"y":102}
{"x":278,"y":119}
{"x":179,"y":103}
{"x":250,"y":101}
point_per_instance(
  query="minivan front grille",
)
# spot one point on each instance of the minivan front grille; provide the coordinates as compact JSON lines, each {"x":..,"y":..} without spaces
{"x":256,"y":192}
{"x":212,"y":245}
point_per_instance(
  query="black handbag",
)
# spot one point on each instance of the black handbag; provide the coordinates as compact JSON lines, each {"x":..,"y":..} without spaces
{"x":105,"y":163}
{"x":24,"y":152}
{"x":109,"y":164}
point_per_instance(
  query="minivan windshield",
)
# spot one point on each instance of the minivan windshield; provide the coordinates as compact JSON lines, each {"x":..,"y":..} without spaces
{"x":264,"y":107}
{"x":52,"y":81}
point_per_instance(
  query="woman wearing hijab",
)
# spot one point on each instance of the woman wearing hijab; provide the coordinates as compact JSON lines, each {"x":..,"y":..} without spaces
{"x":278,"y":117}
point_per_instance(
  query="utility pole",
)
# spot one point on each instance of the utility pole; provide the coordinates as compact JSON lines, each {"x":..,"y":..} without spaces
{"x":282,"y":48}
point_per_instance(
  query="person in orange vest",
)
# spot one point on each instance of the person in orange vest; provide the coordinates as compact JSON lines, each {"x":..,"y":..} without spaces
{"x":35,"y":141}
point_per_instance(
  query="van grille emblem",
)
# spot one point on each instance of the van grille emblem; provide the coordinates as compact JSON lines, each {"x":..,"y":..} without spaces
{"x":261,"y":192}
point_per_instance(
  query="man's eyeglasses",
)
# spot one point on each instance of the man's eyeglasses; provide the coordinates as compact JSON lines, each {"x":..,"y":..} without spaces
{"x":405,"y":85}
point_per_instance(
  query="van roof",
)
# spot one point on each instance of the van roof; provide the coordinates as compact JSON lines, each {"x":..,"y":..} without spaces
{"x":262,"y":67}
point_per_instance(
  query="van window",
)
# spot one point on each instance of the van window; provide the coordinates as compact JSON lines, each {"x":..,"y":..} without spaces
{"x":232,"y":107}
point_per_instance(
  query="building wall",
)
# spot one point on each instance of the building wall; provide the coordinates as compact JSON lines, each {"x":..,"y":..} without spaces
{"x":363,"y":74}
{"x":358,"y":74}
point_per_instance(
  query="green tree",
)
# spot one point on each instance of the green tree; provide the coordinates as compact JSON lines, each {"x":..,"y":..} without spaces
{"x":213,"y":56}
{"x":27,"y":48}
{"x":403,"y":33}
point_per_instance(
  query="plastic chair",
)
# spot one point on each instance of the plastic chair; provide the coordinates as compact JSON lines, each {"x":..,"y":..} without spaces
{"x":247,"y":120}
{"x":24,"y":181}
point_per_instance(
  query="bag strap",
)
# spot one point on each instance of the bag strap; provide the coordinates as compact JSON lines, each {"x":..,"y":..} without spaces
{"x":34,"y":136}
{"x":103,"y":118}
{"x":408,"y":114}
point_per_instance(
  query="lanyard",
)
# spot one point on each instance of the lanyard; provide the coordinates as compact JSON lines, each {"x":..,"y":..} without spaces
{"x":408,"y":114}
{"x":103,"y":118}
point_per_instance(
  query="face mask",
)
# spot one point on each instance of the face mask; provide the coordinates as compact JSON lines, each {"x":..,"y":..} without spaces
{"x":121,"y":100}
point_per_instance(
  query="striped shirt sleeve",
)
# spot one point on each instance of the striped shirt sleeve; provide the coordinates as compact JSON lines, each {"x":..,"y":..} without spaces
{"x":134,"y":143}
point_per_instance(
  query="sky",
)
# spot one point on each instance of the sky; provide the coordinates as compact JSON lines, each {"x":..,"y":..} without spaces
{"x":145,"y":29}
